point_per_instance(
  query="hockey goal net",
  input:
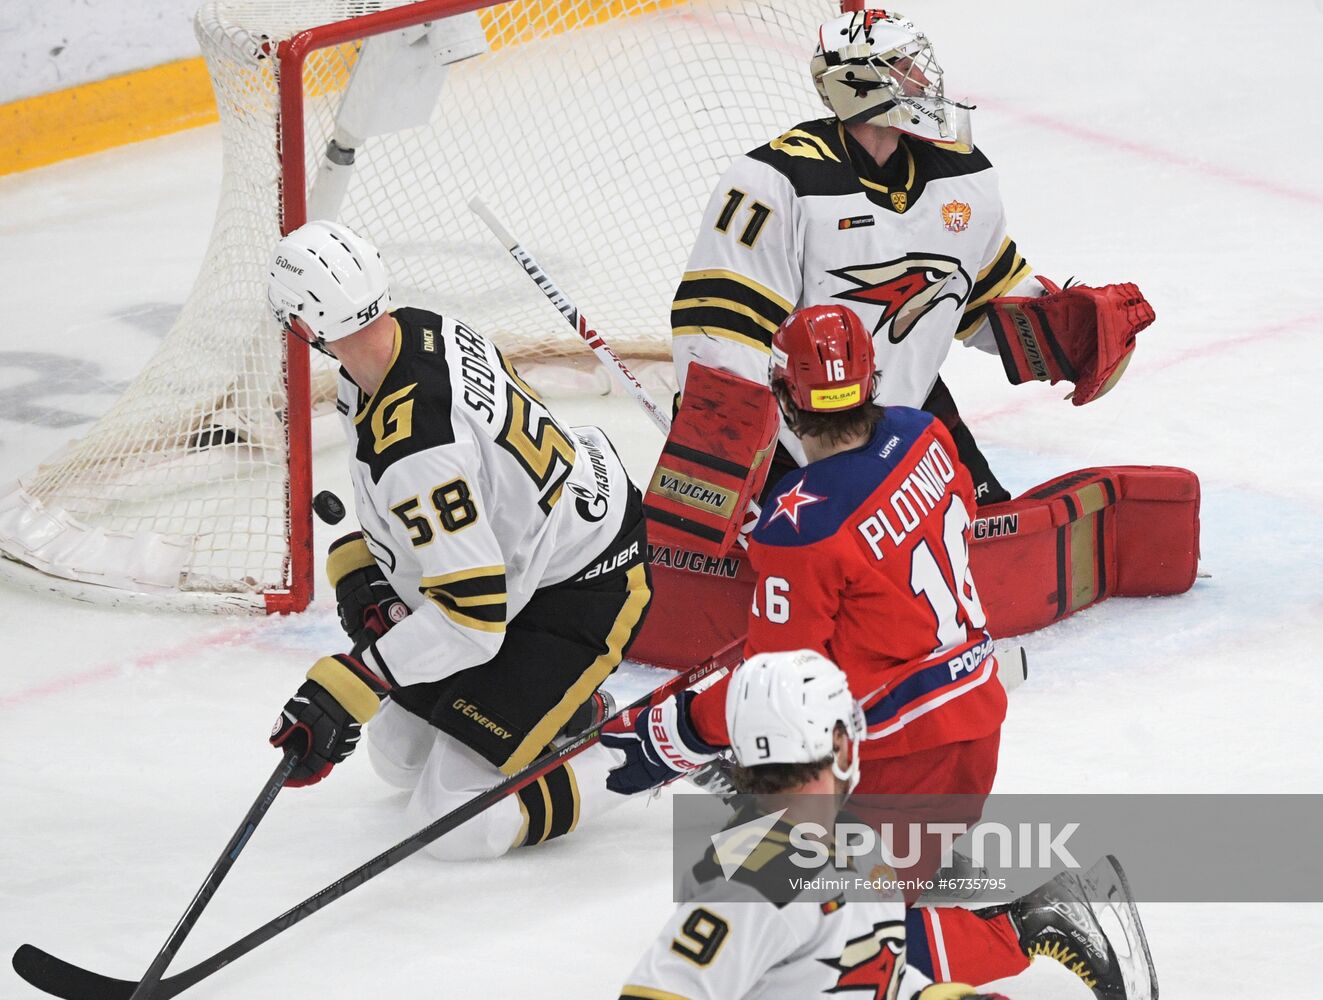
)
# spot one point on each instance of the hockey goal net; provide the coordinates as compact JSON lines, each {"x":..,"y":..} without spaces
{"x":597,"y":128}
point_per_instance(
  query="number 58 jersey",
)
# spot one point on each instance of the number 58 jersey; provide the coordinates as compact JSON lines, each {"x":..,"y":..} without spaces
{"x":471,"y":495}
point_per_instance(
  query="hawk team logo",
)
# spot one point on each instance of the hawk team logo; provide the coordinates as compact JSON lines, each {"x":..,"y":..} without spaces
{"x":871,"y":962}
{"x":788,"y":504}
{"x":956,"y":216}
{"x":905,"y":290}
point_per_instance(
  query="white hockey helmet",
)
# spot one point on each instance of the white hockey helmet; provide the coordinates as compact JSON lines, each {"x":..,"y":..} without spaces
{"x":782,"y":708}
{"x":329,"y":277}
{"x":875,"y":66}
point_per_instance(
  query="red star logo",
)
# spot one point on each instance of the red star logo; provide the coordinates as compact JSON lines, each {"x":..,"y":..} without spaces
{"x":788,"y":504}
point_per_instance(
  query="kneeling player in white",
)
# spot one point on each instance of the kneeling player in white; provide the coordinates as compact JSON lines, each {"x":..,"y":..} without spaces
{"x":795,"y":732}
{"x":500,"y":574}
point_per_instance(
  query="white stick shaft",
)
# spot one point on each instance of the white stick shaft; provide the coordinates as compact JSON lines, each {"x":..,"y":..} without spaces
{"x":1012,"y":666}
{"x":572,"y":315}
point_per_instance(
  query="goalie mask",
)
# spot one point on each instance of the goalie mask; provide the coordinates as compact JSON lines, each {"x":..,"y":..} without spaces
{"x":783,"y":708}
{"x":875,"y":66}
{"x":329,"y":278}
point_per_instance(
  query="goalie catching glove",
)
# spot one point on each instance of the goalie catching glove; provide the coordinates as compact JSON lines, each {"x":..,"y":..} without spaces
{"x":659,"y":744}
{"x":1080,"y":334}
{"x":367,"y":604}
{"x":325,"y":717}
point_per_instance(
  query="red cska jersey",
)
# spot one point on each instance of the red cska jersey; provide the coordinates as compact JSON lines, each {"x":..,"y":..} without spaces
{"x":864,"y":557}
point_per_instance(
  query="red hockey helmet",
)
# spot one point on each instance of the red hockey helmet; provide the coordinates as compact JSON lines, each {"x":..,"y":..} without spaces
{"x":824,"y":357}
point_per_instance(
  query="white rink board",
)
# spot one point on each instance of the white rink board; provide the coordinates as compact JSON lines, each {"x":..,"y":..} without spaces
{"x":132,"y":743}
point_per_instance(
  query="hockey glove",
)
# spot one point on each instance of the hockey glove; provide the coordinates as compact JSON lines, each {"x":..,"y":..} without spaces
{"x":659,"y":744}
{"x":367,"y":603}
{"x":1081,"y":334}
{"x":324,"y":718}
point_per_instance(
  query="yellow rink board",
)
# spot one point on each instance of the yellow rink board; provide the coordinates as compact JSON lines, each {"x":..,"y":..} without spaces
{"x":153,"y":102}
{"x":95,"y":116}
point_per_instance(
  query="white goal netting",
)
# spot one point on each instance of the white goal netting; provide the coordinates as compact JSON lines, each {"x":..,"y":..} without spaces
{"x":596,"y":130}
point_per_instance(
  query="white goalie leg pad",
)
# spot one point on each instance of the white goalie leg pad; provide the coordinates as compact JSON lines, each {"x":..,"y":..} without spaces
{"x":398,"y":745}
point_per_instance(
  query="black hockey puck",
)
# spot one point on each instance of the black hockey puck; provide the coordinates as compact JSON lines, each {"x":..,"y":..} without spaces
{"x":328,"y":507}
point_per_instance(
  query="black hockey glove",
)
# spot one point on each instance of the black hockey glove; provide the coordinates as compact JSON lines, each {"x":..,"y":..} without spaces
{"x":367,"y":604}
{"x":324,"y":718}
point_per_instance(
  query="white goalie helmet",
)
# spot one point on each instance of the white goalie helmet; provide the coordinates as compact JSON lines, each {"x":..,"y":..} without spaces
{"x":875,"y":66}
{"x":329,"y":277}
{"x":782,"y":708}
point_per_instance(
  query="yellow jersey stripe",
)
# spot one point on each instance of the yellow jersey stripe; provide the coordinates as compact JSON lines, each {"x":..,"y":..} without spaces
{"x":459,"y":618}
{"x":441,"y":582}
{"x":719,"y":273}
{"x":633,"y":991}
{"x":728,"y":304}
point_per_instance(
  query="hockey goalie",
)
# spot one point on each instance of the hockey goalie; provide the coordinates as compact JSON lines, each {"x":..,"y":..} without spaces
{"x":887,"y":207}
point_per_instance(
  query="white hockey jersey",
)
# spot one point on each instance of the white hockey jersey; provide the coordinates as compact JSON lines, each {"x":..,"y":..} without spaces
{"x":470,"y":494}
{"x":734,"y":940}
{"x":917,"y":247}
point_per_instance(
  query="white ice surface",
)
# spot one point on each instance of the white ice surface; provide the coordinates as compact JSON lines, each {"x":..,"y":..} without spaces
{"x":1137,"y":141}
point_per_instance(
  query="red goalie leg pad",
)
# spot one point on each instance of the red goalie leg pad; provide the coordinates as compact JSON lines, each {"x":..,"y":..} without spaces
{"x":1157,"y":531}
{"x":1131,"y":531}
{"x":700,"y":605}
{"x":715,"y":461}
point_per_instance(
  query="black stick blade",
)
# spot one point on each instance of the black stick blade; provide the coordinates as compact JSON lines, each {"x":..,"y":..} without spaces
{"x":60,"y":979}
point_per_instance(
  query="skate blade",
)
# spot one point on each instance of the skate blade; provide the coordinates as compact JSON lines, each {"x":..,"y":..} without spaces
{"x":1119,"y":918}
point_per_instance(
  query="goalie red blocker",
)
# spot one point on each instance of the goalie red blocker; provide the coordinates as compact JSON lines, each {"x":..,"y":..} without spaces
{"x":715,"y":461}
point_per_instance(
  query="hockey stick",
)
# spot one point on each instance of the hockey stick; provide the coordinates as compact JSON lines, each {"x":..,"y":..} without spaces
{"x":146,"y":987}
{"x":610,"y":360}
{"x":1013,"y":666}
{"x":59,"y":978}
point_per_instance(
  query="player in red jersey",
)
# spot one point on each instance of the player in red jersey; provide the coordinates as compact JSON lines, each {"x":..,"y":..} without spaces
{"x":862,"y":555}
